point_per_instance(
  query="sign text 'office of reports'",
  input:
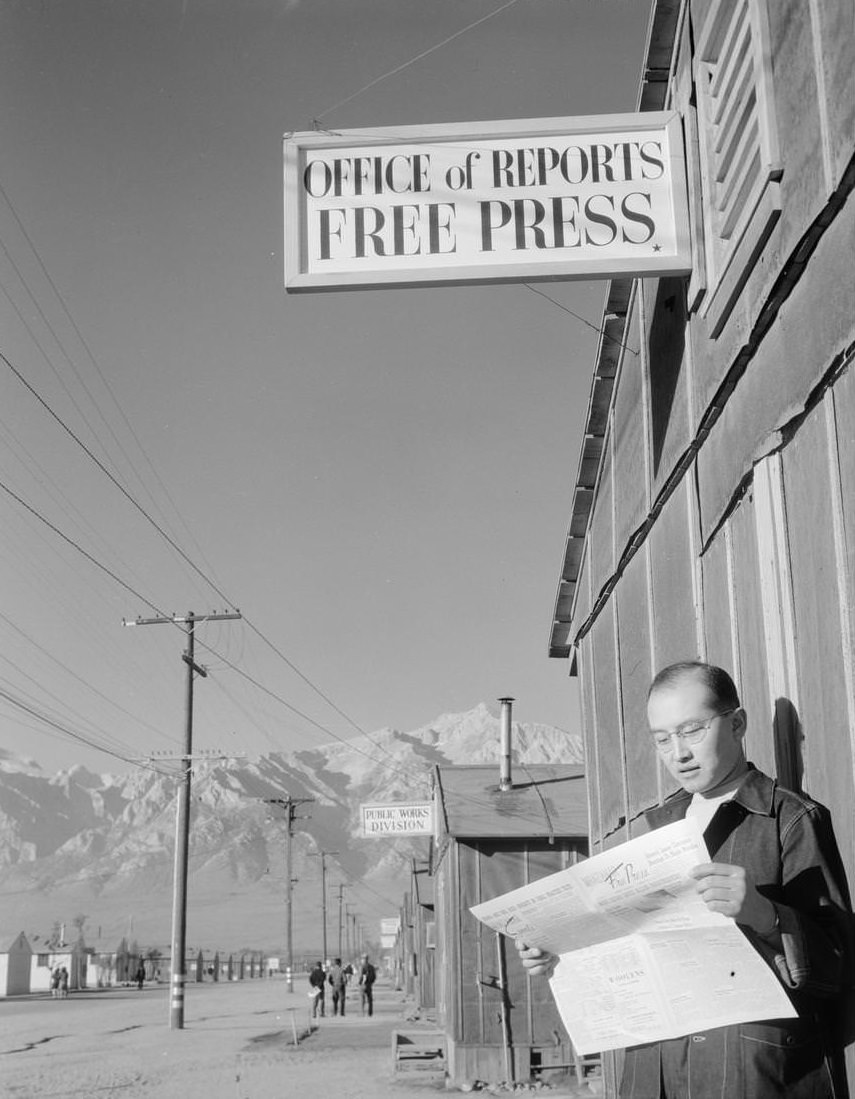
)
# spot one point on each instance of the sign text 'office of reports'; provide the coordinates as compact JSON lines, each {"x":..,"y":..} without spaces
{"x":482,"y":202}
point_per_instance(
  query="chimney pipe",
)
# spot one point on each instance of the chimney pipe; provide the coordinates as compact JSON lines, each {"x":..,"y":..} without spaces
{"x":505,"y":744}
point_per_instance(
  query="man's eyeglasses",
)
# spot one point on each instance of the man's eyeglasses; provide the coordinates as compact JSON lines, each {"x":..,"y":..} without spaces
{"x":693,"y":732}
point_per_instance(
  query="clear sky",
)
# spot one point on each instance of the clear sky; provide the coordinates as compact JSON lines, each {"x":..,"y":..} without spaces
{"x":380,"y":481}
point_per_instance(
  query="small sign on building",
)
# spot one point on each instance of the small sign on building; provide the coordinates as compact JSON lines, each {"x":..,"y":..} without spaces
{"x":389,"y":928}
{"x":415,"y":819}
{"x":478,"y":202}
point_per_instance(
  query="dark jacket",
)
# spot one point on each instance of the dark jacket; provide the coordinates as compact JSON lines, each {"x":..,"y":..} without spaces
{"x":785,"y":842}
{"x":317,"y":978}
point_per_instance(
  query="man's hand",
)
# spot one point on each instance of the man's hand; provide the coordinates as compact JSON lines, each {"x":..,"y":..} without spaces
{"x":729,"y":890}
{"x":536,"y":962}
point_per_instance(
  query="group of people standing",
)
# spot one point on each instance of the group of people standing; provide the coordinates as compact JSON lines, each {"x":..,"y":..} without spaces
{"x":59,"y":983}
{"x":338,"y":977}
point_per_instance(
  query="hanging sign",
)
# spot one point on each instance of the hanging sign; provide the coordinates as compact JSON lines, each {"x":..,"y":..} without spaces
{"x":562,"y":198}
{"x":396,"y":819}
{"x":389,"y":929}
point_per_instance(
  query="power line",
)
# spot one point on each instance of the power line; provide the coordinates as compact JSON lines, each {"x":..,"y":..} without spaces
{"x":109,"y":572}
{"x":393,"y":766}
{"x":107,"y":738}
{"x":113,"y":480}
{"x":91,"y":358}
{"x":80,"y":679}
{"x":599,"y":329}
{"x":432,"y":49}
{"x":305,"y":678}
{"x":20,"y":704}
{"x":89,"y":453}
{"x":267,"y":690}
{"x":76,"y":545}
{"x":38,"y":344}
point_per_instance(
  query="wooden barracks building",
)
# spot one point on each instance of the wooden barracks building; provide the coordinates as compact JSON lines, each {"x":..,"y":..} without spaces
{"x":714,"y":505}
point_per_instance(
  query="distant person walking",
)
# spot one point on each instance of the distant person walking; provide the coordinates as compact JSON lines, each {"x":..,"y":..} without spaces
{"x":140,"y":976}
{"x":63,"y":983}
{"x":338,"y":979}
{"x":317,"y":980}
{"x":367,"y":977}
{"x":54,"y":983}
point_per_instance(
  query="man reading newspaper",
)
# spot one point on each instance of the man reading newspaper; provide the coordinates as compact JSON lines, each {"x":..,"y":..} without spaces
{"x":775,"y":870}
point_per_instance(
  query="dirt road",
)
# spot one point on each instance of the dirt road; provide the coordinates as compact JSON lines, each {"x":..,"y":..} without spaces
{"x":237,"y":1044}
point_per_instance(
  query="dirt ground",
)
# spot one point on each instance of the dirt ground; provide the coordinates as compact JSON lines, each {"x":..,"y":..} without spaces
{"x":237,"y":1043}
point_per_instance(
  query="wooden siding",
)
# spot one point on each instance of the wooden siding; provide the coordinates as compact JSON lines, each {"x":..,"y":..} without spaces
{"x":841,"y":416}
{"x":750,"y":672}
{"x":673,"y":592}
{"x":610,"y":753}
{"x":665,"y":343}
{"x":724,"y":514}
{"x":834,"y":53}
{"x":814,"y":327}
{"x":716,"y":597}
{"x":601,"y":538}
{"x":843,"y":409}
{"x":800,"y":108}
{"x":636,"y":669}
{"x":482,"y":870}
{"x":590,"y":728}
{"x":824,"y":709}
{"x":630,"y":443}
{"x":584,"y":596}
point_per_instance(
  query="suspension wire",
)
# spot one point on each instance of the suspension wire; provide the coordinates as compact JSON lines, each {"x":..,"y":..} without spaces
{"x":400,"y":68}
{"x":62,"y":728}
{"x":84,"y":343}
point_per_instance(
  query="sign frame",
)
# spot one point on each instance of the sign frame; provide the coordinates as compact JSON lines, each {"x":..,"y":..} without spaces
{"x":398,"y":810}
{"x":298,"y":147}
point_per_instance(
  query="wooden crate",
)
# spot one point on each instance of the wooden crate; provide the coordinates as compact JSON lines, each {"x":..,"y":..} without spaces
{"x":418,"y":1051}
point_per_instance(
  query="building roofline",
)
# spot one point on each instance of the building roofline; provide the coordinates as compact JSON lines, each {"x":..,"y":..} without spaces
{"x":662,"y":31}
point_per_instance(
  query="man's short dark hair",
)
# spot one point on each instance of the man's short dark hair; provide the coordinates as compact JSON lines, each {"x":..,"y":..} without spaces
{"x":715,"y":679}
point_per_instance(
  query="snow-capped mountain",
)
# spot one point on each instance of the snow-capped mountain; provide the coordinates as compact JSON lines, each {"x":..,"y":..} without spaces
{"x":78,"y":843}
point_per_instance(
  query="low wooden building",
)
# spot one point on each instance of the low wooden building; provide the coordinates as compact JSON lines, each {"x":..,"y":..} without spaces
{"x":499,"y":1025}
{"x":15,"y":962}
{"x":424,"y":937}
{"x":74,"y":957}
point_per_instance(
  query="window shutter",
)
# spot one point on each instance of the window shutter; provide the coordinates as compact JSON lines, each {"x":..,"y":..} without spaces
{"x":739,"y":146}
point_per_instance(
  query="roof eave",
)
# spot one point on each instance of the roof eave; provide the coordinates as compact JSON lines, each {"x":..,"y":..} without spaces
{"x":652,"y":96}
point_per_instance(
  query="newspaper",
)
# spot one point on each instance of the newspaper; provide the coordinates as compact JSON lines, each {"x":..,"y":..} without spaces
{"x":642,"y":958}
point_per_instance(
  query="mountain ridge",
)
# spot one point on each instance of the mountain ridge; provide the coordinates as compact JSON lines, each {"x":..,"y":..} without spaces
{"x":79,"y":842}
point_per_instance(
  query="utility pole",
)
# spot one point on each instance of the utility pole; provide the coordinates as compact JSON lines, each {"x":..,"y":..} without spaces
{"x":289,"y":804}
{"x":182,"y":823}
{"x":341,"y":890}
{"x":347,"y":937}
{"x":322,"y":855}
